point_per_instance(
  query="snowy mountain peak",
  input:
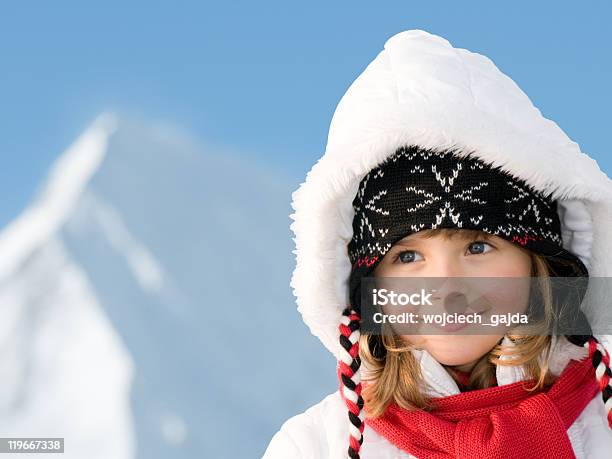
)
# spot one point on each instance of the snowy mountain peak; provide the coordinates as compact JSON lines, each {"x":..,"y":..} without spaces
{"x":66,"y":181}
{"x":146,"y":278}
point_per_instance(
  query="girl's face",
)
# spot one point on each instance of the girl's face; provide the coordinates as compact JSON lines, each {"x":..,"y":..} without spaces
{"x":457,"y":253}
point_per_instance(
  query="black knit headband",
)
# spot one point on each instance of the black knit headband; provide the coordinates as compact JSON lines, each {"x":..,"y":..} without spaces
{"x":417,"y":189}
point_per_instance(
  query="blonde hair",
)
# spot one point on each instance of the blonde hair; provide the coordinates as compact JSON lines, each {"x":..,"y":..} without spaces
{"x":397,"y":377}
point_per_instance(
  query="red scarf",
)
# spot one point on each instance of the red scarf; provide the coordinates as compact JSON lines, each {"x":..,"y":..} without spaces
{"x":497,"y":422}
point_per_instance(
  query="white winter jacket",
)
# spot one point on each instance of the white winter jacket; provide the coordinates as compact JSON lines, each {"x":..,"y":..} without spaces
{"x":322,"y":432}
{"x":421,"y":91}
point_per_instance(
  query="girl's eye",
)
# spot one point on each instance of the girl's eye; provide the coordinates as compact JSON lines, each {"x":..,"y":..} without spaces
{"x":478,"y":247}
{"x":407,"y":256}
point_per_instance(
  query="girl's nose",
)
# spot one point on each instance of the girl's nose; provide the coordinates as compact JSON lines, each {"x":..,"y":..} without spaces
{"x":450,"y":294}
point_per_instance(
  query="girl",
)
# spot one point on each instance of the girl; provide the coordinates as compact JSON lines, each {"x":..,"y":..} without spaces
{"x":438,"y":165}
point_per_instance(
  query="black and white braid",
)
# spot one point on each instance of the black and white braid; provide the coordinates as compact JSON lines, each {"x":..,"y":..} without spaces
{"x":350,"y":378}
{"x":600,"y":359}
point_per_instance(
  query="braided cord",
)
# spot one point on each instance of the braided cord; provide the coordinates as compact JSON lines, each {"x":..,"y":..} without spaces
{"x":350,"y":378}
{"x":601,"y":362}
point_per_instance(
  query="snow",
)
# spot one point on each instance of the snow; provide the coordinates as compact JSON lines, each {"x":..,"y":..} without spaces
{"x":67,"y":179}
{"x":144,"y":266}
{"x":146,"y":304}
{"x":64,"y":369}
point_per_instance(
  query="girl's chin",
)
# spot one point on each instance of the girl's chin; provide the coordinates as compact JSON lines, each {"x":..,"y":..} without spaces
{"x":459,"y":349}
{"x":456,"y":360}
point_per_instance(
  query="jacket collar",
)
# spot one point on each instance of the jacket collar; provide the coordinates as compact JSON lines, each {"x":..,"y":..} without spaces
{"x":441,"y":384}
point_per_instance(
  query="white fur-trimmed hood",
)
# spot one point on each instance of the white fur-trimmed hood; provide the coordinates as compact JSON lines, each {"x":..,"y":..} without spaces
{"x":422,"y":91}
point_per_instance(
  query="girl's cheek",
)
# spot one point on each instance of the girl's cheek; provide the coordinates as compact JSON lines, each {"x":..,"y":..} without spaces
{"x":500,"y":266}
{"x":507,"y":295}
{"x":392,"y":269}
{"x":512,"y":263}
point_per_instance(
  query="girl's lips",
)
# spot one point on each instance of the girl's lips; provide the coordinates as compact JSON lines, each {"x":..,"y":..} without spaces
{"x":452,"y":327}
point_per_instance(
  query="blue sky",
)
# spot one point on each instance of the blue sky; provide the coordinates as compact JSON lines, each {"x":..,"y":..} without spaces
{"x":263,"y":78}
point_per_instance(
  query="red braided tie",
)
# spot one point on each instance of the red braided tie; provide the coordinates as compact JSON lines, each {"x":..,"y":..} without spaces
{"x":346,"y":377}
{"x":601,"y":361}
